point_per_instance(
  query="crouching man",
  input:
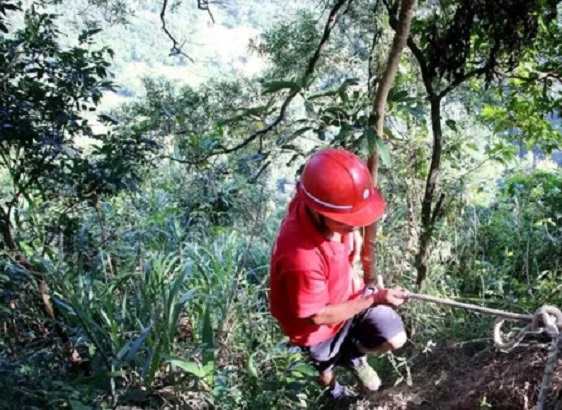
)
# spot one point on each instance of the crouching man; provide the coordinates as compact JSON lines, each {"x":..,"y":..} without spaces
{"x":319,"y":303}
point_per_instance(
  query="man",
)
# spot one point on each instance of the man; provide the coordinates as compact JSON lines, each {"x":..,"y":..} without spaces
{"x":319,"y":303}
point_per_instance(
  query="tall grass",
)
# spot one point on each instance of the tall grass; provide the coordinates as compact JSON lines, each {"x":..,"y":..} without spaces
{"x":164,"y":306}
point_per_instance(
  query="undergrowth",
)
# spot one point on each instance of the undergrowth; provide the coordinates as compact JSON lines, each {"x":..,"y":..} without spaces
{"x":162,"y":311}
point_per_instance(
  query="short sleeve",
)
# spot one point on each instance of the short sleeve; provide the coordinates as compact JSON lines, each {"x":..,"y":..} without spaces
{"x":306,"y":292}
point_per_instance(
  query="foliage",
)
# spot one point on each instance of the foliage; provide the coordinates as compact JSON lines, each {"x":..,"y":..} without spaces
{"x":289,"y":45}
{"x":44,"y":101}
{"x":522,"y":231}
{"x":167,"y":306}
{"x":456,"y":34}
{"x":194,"y":123}
{"x":159,"y":279}
{"x":534,"y":118}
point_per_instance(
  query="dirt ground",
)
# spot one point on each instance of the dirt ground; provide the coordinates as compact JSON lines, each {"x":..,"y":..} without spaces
{"x":461,"y":379}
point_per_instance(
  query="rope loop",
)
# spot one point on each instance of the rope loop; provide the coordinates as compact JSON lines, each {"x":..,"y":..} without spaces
{"x":545,"y":319}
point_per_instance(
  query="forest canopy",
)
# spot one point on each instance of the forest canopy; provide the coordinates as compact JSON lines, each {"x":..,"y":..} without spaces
{"x":148,"y":151}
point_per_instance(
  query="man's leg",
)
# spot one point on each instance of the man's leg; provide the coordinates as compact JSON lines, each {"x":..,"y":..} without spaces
{"x":379,"y":330}
{"x":327,"y":379}
{"x":376,"y":330}
{"x":324,"y":356}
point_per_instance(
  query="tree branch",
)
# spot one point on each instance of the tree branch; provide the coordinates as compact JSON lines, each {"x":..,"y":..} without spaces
{"x":176,"y":48}
{"x":427,"y":77}
{"x":401,"y":35}
{"x":179,"y":160}
{"x":33,"y":177}
{"x":204,"y":5}
{"x":541,"y":75}
{"x":458,"y":81}
{"x":437,"y":210}
{"x":332,"y":21}
{"x":370,"y":68}
{"x":255,"y":178}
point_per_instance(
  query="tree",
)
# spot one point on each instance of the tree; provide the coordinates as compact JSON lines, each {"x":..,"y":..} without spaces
{"x":407,"y":10}
{"x":45,"y":97}
{"x":456,"y":42}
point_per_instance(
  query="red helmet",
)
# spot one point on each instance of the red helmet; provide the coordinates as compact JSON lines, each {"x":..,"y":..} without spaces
{"x":337,"y":184}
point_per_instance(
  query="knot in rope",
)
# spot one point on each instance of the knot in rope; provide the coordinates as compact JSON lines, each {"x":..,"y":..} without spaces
{"x":545,"y":319}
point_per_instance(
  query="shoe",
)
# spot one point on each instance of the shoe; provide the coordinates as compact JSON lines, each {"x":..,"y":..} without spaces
{"x":339,"y":394}
{"x":365,"y":375}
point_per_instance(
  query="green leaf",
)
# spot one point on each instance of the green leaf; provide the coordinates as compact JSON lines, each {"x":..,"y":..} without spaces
{"x":305,"y":82}
{"x":327,"y":93}
{"x":343,"y":96}
{"x":173,"y":295}
{"x":130,"y":349}
{"x":397,"y":95}
{"x":297,"y":133}
{"x":258,"y":157}
{"x":349,"y":82}
{"x":345,"y":130}
{"x":452,"y":124}
{"x":208,"y":337}
{"x":191,"y":367}
{"x":251,"y":367}
{"x":153,"y":363}
{"x":309,"y":109}
{"x":273,"y":86}
{"x":384,"y":153}
{"x":371,"y":139}
{"x":321,"y":132}
{"x":304,"y":368}
{"x":388,"y":132}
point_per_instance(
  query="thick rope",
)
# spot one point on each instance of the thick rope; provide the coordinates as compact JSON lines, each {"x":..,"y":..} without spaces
{"x":549,"y":316}
{"x":468,"y":306}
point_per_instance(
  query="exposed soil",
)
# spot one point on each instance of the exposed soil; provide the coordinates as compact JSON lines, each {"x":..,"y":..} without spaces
{"x":457,"y":379}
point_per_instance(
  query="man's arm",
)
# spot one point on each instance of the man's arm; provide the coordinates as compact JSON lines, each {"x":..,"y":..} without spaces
{"x":340,"y":312}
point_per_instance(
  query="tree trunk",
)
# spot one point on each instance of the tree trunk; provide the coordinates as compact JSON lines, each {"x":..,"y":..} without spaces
{"x":6,"y":231}
{"x":407,"y":10}
{"x":429,"y":215}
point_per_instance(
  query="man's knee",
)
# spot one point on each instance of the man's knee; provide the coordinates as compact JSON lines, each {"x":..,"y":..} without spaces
{"x":380,"y":330}
{"x":393,"y":343}
{"x":397,"y":341}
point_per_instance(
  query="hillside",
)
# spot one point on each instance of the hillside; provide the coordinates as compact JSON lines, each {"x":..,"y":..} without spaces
{"x":216,"y":47}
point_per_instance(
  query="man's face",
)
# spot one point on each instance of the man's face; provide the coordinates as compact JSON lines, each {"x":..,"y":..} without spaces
{"x":339,"y":227}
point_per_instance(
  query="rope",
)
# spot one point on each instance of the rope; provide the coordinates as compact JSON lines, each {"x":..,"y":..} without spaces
{"x":448,"y":302}
{"x":549,"y":316}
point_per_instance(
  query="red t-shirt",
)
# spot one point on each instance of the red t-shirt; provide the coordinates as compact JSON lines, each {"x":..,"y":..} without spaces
{"x":308,"y":272}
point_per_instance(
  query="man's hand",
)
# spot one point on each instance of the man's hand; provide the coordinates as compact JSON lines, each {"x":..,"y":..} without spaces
{"x":391,"y":297}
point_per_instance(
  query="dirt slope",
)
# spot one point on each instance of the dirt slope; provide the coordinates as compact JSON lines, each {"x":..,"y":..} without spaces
{"x":456,"y":379}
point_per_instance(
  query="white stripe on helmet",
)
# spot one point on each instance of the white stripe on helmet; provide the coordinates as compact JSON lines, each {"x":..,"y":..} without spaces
{"x":326,"y":204}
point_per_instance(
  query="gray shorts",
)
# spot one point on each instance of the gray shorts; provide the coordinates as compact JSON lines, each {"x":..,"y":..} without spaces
{"x":369,"y":328}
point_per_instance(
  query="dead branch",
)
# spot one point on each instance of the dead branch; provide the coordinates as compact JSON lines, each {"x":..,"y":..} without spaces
{"x":176,"y":47}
